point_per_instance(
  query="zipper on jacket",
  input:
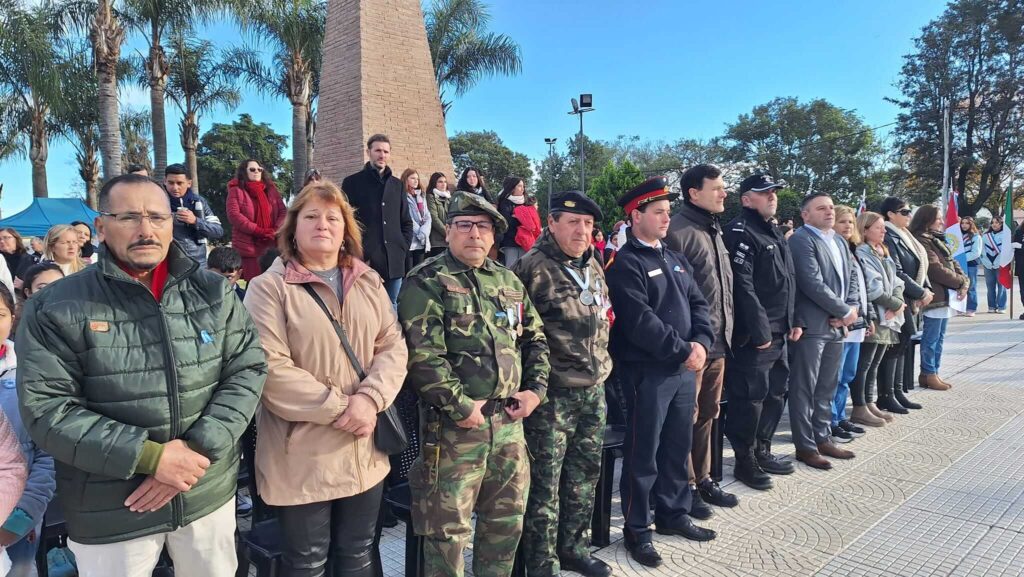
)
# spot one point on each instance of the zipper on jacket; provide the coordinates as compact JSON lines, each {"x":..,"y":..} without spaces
{"x":172,"y":389}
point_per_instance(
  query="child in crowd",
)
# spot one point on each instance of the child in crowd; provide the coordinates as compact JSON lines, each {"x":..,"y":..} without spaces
{"x":22,"y":525}
{"x":226,"y":262}
{"x":37,"y":276}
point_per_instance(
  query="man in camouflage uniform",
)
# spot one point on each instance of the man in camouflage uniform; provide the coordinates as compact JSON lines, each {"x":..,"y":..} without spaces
{"x":479,"y":361}
{"x":565,"y":434}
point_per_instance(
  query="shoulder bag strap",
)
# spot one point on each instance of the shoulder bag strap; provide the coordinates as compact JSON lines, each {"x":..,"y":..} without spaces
{"x":338,"y":328}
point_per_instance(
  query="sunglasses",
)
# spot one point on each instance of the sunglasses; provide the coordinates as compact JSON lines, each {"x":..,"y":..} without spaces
{"x":255,"y":170}
{"x":904,"y":211}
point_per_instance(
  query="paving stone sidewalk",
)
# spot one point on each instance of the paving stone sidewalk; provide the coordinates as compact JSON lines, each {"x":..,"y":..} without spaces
{"x":939,"y":492}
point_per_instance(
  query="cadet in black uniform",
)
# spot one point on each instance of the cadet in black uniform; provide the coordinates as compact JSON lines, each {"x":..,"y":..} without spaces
{"x":757,"y":376}
{"x":661,"y":335}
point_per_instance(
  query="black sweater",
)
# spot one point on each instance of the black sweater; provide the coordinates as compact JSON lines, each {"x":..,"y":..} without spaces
{"x":659,"y":309}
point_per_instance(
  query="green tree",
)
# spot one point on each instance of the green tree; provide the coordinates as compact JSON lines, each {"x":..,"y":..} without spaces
{"x":136,"y":146}
{"x":486,"y":151}
{"x":293,"y":30}
{"x":79,"y":122}
{"x":813,"y":145}
{"x":225,"y":146}
{"x":198,"y":84}
{"x":31,"y":83}
{"x":612,"y":183}
{"x":972,"y":57}
{"x":463,"y":51}
{"x":107,"y":35}
{"x":565,"y":167}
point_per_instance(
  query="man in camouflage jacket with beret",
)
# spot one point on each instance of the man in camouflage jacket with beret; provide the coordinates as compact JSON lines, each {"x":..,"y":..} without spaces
{"x":566,"y":283}
{"x":478,"y":360}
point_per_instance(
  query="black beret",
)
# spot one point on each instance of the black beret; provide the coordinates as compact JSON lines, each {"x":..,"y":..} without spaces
{"x":576,"y":202}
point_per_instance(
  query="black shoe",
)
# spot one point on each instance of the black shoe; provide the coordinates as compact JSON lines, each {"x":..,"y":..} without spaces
{"x":854,"y":430}
{"x":645,"y":554}
{"x":591,"y":566}
{"x":890,"y":404}
{"x":840,"y":435}
{"x":769,"y":463}
{"x":749,"y":472}
{"x":713,"y":494}
{"x":687,"y":529}
{"x":902,"y":399}
{"x":698,"y":508}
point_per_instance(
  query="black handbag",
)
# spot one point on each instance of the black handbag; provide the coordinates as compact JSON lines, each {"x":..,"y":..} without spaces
{"x":389,"y":434}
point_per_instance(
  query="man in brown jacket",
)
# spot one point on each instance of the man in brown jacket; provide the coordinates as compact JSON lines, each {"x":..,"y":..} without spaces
{"x":695,"y":232}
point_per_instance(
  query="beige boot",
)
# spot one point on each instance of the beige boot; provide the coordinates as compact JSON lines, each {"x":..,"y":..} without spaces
{"x":884,"y":415}
{"x":933,"y":382}
{"x":863,"y":416}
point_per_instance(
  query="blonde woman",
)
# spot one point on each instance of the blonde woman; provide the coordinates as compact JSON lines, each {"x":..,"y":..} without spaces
{"x":845,"y":430}
{"x":315,"y":456}
{"x":885,"y":291}
{"x":64,"y":248}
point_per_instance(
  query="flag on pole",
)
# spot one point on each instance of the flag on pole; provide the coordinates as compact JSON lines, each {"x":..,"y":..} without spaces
{"x":954,"y":237}
{"x":1005,"y":240}
{"x":863,"y":203}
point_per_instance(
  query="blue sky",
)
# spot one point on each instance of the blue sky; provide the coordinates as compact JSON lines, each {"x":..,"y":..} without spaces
{"x":659,"y":69}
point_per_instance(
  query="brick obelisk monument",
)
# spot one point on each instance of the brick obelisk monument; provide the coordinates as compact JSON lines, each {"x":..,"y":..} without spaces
{"x":377,"y":77}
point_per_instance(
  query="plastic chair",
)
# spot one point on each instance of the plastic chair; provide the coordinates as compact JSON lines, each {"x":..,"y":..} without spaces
{"x":601,"y":522}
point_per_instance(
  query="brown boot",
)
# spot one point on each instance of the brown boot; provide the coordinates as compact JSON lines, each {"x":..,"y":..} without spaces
{"x":932,"y":382}
{"x":944,"y":381}
{"x":831,"y":450}
{"x":884,"y":415}
{"x":863,"y":416}
{"x":813,"y":459}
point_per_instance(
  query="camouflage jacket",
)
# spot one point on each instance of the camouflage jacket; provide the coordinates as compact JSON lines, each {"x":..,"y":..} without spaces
{"x":464,"y":342}
{"x":577,"y":334}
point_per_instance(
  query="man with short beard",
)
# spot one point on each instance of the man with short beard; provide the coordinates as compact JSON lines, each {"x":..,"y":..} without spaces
{"x":139,"y":375}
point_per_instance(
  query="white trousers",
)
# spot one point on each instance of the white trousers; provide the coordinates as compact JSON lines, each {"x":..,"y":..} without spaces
{"x":206,"y":548}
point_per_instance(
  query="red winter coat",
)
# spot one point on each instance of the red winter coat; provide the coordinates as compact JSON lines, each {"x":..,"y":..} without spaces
{"x":242,"y":214}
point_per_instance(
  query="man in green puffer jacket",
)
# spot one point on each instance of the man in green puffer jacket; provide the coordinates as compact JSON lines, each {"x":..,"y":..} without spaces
{"x":139,"y":375}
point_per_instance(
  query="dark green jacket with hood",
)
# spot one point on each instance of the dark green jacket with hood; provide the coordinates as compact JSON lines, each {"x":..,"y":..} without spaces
{"x":107,"y":373}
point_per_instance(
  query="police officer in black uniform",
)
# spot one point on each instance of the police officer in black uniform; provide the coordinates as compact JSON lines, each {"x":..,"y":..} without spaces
{"x":660,"y":337}
{"x":764,"y":288}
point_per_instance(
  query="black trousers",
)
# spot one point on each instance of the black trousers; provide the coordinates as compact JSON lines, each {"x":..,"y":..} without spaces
{"x":658,"y":438}
{"x":338,"y":534}
{"x":756,"y":382}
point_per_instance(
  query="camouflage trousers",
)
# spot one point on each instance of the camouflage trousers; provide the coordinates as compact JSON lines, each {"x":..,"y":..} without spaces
{"x":485,"y":470}
{"x":565,"y":436}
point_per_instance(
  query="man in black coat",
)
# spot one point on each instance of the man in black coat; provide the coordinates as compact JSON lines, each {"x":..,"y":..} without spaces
{"x":383,"y":213}
{"x":661,"y":336}
{"x":757,"y":376}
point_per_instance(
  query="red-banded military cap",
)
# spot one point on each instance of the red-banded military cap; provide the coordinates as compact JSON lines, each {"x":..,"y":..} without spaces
{"x":650,"y":190}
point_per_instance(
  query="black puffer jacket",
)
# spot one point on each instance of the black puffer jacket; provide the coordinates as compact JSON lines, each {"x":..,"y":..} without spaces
{"x":105,"y":368}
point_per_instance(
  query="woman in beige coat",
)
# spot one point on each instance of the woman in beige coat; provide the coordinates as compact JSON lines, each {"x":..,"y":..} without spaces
{"x":315,"y":456}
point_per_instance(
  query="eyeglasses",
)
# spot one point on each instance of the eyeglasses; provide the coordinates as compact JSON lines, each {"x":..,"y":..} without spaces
{"x":905,"y":211}
{"x":255,"y":170}
{"x":134,"y":219}
{"x":464,"y":226}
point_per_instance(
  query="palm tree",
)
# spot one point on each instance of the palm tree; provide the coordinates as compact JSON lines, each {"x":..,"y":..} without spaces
{"x":198,"y":84}
{"x":294,"y":31}
{"x":31,"y":83}
{"x":463,"y":51}
{"x":135,"y":146}
{"x":79,"y":120}
{"x":152,"y":19}
{"x":107,"y":35}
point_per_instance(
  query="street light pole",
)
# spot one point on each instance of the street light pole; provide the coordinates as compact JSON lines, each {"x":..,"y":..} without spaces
{"x":551,"y":168}
{"x":584,"y":105}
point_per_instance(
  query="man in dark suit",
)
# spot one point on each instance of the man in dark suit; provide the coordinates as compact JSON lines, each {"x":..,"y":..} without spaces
{"x":826,"y":305}
{"x":379,"y":199}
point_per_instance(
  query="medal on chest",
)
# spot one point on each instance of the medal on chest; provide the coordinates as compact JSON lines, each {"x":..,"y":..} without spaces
{"x":588,"y":297}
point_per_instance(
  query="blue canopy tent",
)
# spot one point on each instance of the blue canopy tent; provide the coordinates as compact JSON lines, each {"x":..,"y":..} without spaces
{"x":46,"y":212}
